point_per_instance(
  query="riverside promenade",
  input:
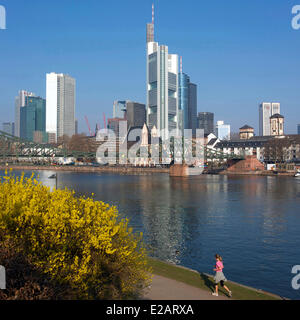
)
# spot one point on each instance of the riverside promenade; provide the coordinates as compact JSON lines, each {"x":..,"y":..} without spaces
{"x":175,"y":282}
{"x":168,"y":289}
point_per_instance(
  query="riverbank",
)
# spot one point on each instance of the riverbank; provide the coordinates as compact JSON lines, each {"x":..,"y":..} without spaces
{"x":264,"y":173}
{"x":137,"y":170}
{"x":83,"y":169}
{"x":192,"y":285}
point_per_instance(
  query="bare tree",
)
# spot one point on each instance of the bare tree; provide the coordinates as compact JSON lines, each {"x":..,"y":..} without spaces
{"x":277,"y":149}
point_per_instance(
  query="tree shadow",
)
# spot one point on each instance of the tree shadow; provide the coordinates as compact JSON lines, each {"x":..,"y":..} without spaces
{"x":208,"y":282}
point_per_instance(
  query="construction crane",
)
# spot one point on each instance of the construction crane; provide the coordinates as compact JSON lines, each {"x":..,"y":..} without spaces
{"x":87,"y":122}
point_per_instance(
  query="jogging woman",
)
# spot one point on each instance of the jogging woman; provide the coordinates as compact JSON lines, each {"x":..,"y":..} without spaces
{"x":219,"y":277}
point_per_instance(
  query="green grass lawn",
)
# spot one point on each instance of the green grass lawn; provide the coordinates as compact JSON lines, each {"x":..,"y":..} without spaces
{"x":205,"y":282}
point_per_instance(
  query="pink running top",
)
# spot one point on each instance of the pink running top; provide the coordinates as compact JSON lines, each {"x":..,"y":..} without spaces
{"x":219,"y":266}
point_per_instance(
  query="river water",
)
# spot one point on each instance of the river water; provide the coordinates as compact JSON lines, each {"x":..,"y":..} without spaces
{"x":253,"y":222}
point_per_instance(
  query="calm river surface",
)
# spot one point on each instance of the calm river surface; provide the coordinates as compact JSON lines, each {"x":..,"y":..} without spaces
{"x":253,"y":222}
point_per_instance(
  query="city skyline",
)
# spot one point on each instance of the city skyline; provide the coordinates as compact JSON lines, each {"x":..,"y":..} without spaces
{"x":269,"y":77}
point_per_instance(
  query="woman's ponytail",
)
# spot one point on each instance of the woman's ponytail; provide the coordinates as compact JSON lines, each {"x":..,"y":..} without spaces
{"x":218,"y":257}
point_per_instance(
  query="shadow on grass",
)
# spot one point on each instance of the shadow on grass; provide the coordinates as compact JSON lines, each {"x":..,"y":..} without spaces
{"x":207,"y":282}
{"x":210,"y":284}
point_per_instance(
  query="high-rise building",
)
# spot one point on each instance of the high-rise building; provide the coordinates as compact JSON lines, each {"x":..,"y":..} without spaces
{"x":298,"y":128}
{"x":119,"y":109}
{"x":162,"y":87}
{"x":60,"y":105}
{"x":8,"y":127}
{"x":20,"y":100}
{"x":114,"y":125}
{"x":266,"y":110}
{"x":223,"y":130}
{"x":275,"y":108}
{"x":33,"y":119}
{"x":187,"y":110}
{"x":135,"y":114}
{"x":192,"y":107}
{"x":183,"y":104}
{"x":206,"y":122}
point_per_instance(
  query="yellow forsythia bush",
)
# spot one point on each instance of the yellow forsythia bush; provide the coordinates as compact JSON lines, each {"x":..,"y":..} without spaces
{"x":77,"y":241}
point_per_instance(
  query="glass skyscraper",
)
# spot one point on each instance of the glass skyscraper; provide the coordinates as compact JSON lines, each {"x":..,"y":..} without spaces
{"x":135,"y":114}
{"x":184,"y":80}
{"x":223,"y":130}
{"x":206,"y":122}
{"x":162,"y":86}
{"x":119,"y":109}
{"x":187,"y":102}
{"x":33,"y":118}
{"x":162,"y":89}
{"x":20,"y":101}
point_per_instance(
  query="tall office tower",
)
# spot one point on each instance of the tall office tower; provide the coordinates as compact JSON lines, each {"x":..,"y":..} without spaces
{"x":135,"y":114}
{"x":8,"y":127}
{"x":162,"y":87}
{"x":266,"y":110}
{"x":275,"y":108}
{"x":33,"y":119}
{"x":298,"y":128}
{"x":206,"y":122}
{"x":183,"y":103}
{"x":119,"y":109}
{"x":19,"y":103}
{"x":187,"y":109}
{"x":193,"y":107}
{"x":222,"y":130}
{"x":60,"y":105}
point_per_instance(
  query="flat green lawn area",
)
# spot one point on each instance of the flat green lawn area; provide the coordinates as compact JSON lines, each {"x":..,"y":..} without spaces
{"x":205,"y":282}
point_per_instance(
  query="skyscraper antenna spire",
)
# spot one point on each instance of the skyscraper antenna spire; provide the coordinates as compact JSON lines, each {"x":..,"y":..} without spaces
{"x":153,"y":14}
{"x":181,"y":64}
{"x":153,"y":19}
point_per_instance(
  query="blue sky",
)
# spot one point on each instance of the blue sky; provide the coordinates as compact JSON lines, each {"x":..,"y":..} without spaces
{"x":239,"y":53}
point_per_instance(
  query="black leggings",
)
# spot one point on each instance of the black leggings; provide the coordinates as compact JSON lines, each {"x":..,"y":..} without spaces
{"x":222,"y":283}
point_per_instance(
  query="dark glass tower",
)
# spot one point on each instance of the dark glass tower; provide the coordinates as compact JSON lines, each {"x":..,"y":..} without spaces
{"x":187,"y":102}
{"x":33,"y":118}
{"x":206,"y":122}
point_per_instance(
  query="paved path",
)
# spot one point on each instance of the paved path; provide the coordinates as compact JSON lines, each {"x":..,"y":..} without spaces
{"x":168,"y":289}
